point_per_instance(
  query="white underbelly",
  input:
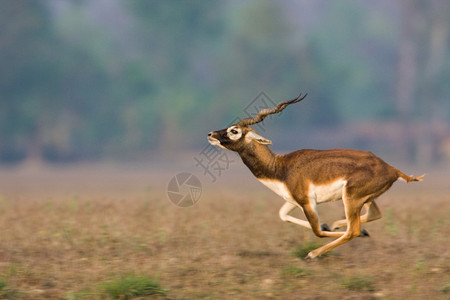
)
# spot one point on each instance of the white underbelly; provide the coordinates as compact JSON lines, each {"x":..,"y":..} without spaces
{"x":327,"y":192}
{"x":279,"y":188}
{"x":319,"y":193}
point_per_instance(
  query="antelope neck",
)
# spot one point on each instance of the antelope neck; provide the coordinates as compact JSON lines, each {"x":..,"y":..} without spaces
{"x":261,"y":161}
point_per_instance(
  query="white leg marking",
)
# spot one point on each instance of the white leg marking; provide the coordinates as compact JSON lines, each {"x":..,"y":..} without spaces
{"x":279,"y":188}
{"x":288,"y":207}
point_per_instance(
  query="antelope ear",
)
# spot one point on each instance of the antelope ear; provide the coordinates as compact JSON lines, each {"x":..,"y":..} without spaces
{"x":251,"y":135}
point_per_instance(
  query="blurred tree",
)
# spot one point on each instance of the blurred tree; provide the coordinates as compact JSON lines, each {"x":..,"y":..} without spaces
{"x":176,"y":40}
{"x":26,"y":66}
{"x":83,"y":79}
{"x":351,"y":61}
{"x":257,"y":54}
{"x":345,"y":61}
{"x":422,"y":56}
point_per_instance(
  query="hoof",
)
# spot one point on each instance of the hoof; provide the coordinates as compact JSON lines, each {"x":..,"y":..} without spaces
{"x":364,"y":233}
{"x":311,"y":256}
{"x":324,"y":227}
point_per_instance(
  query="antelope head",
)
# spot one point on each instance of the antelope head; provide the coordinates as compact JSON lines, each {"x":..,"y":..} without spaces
{"x":240,"y":135}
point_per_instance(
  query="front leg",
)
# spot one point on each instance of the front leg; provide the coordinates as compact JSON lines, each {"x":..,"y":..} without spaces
{"x":313,"y":218}
{"x":352,"y":214}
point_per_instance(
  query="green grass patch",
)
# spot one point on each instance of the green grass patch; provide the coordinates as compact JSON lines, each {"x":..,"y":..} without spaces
{"x":419,"y":264}
{"x":359,"y":284}
{"x":3,"y":285}
{"x":446,"y":289}
{"x":131,"y":286}
{"x":302,"y":250}
{"x":294,"y":272}
{"x":83,"y":294}
{"x":6,"y":292}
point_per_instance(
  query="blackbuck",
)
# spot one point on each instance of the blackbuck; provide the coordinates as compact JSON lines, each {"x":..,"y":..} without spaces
{"x":306,"y":178}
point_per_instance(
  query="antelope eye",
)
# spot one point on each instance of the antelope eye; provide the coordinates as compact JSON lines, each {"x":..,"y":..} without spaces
{"x":234,"y":131}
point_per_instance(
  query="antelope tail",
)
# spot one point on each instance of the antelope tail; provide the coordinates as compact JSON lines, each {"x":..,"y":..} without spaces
{"x":407,"y":178}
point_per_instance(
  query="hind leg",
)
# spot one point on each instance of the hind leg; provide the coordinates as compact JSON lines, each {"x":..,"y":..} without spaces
{"x":372,"y":213}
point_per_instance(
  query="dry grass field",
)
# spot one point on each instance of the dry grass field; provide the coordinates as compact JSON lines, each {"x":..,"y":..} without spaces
{"x":100,"y":232}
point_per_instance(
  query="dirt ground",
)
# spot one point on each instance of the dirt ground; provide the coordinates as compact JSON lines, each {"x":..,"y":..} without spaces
{"x":66,"y":230}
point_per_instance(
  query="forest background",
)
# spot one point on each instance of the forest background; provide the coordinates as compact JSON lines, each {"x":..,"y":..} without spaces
{"x":135,"y":80}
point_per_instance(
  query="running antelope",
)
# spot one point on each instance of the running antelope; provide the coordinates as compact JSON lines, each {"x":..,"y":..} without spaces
{"x":306,"y":178}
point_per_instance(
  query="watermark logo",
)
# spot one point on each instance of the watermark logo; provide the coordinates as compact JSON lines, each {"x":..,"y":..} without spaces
{"x":213,"y":161}
{"x":184,"y":189}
